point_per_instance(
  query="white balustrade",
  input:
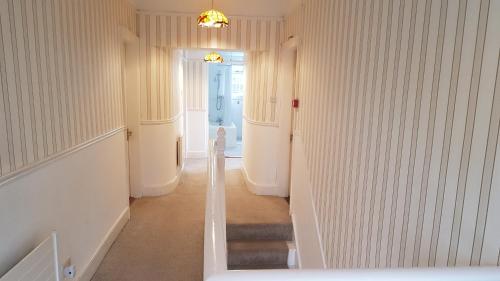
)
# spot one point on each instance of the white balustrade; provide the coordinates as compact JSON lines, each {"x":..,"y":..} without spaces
{"x":215,"y":253}
{"x":215,"y":263}
{"x":409,"y":274}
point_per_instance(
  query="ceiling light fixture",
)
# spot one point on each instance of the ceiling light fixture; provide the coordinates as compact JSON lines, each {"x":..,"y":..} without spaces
{"x":213,"y":57}
{"x":212,"y":18}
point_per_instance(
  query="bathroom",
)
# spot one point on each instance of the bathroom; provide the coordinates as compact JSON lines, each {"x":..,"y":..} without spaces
{"x":225,"y":100}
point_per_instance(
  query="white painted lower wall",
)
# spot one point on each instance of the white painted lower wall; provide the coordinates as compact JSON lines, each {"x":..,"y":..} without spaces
{"x":266,"y":163}
{"x":160,"y":173}
{"x":196,"y":134}
{"x":266,"y":146}
{"x":261,"y":158}
{"x":304,"y":218}
{"x":83,"y":195}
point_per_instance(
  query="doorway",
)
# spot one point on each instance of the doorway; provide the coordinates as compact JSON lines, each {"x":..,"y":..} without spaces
{"x":288,"y":88}
{"x":214,"y":97}
{"x":131,"y":113}
{"x":226,"y":86}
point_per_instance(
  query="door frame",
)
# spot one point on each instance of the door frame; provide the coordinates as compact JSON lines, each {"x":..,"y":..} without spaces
{"x":288,"y":70}
{"x":131,"y":108}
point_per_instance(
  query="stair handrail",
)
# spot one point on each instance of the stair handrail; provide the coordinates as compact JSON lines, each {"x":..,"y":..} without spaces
{"x":388,"y":274}
{"x":215,"y":246}
{"x":215,"y":253}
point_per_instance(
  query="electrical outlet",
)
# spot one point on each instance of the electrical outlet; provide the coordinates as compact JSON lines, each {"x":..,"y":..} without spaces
{"x":69,"y":271}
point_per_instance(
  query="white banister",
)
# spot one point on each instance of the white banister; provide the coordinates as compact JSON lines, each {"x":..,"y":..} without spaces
{"x":215,"y":263}
{"x":409,"y":274}
{"x":215,"y":254}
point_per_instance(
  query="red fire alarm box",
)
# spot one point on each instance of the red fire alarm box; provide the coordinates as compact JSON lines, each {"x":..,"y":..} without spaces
{"x":295,"y":103}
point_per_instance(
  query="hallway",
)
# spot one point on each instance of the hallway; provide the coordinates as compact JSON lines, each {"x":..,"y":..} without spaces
{"x":164,"y":238}
{"x":378,"y":120}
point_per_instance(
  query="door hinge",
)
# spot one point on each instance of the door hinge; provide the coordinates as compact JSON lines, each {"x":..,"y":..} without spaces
{"x":129,"y":134}
{"x":291,"y":137}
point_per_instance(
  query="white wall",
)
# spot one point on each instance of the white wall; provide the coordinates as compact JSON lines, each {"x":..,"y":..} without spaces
{"x":83,"y":196}
{"x":160,"y":174}
{"x":196,"y":134}
{"x":266,"y":149}
{"x":237,"y":115}
{"x":158,"y":139}
{"x":260,"y":159}
{"x":195,"y":72}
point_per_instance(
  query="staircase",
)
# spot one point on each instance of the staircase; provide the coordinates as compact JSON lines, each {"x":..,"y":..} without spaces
{"x":258,"y":246}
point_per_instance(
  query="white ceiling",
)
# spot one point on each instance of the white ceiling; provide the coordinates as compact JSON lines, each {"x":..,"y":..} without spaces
{"x":229,"y":7}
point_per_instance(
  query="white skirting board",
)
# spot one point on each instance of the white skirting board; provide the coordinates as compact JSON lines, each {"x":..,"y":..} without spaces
{"x":163,"y":189}
{"x":88,"y":271}
{"x":305,"y":221}
{"x":261,"y":189}
{"x":196,"y":154}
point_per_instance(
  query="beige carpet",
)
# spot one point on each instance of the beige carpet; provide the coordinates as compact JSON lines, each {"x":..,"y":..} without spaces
{"x":242,"y":206}
{"x":164,"y":238}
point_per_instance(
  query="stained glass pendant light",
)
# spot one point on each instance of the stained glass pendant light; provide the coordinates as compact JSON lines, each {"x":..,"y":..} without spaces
{"x":212,"y":18}
{"x":214,"y":57}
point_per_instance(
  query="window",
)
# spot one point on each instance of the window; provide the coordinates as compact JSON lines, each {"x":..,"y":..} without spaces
{"x":238,"y":80}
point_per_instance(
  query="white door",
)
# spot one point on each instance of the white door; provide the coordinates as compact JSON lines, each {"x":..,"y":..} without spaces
{"x":132,"y":110}
{"x":287,"y":89}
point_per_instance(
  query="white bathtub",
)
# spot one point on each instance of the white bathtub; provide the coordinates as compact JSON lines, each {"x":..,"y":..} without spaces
{"x":231,"y":133}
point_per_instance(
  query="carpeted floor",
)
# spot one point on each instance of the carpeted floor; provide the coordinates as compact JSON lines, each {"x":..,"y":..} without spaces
{"x":242,"y":206}
{"x":164,"y":237}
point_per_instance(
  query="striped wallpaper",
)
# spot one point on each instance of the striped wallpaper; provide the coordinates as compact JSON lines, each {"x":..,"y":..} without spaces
{"x":157,"y":95}
{"x":182,"y":31}
{"x":196,"y":85}
{"x":160,"y":33}
{"x":400,"y":113}
{"x":262,"y":77}
{"x":60,"y":76}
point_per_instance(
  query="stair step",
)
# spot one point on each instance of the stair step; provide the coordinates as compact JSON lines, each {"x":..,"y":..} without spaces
{"x":257,"y":266}
{"x":257,"y":254}
{"x":275,"y":231}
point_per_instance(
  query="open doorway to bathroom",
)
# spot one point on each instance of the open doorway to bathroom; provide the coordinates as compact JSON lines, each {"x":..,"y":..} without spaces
{"x":214,"y":96}
{"x":226,"y":86}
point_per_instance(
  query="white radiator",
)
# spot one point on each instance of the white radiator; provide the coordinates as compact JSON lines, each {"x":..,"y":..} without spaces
{"x":40,"y":265}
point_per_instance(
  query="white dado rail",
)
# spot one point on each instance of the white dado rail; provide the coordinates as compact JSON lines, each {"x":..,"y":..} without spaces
{"x":215,"y":248}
